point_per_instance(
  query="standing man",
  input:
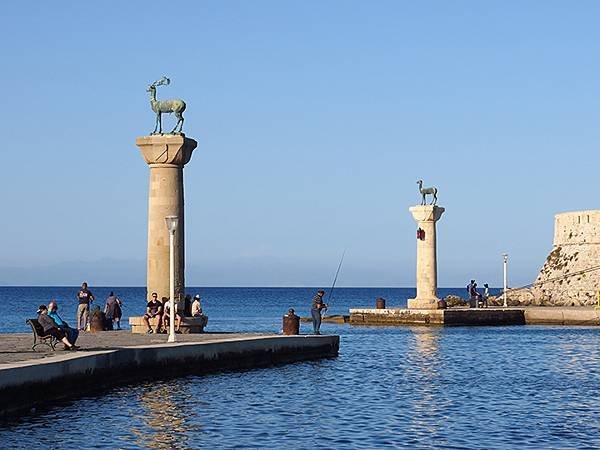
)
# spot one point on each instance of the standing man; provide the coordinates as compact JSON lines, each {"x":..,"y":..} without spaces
{"x":486,"y":294}
{"x":110,"y":309}
{"x":315,"y":310}
{"x":471,"y":288}
{"x":84,"y":297}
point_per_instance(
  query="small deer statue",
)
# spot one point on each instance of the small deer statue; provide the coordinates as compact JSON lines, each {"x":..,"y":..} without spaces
{"x":424,"y":191}
{"x":176,"y":106}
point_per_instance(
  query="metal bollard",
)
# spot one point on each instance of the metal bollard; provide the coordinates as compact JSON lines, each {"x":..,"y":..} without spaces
{"x":380,"y":303}
{"x":291,"y":323}
{"x":96,"y":321}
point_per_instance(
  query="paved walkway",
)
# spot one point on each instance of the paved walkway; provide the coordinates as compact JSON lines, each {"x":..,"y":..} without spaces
{"x":17,"y":347}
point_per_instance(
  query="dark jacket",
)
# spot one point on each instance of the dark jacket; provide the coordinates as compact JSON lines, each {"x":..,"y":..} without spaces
{"x":46,"y":322}
{"x":317,"y":302}
{"x":111,"y":307}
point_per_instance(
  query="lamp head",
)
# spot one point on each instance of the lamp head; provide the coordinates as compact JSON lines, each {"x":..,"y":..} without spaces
{"x":172,"y":223}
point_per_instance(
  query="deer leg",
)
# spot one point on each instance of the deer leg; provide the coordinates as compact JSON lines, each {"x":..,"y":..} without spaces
{"x":179,"y":120}
{"x":155,"y":125}
{"x":434,"y":198}
{"x":179,"y":123}
{"x":423,"y":200}
{"x":160,"y":123}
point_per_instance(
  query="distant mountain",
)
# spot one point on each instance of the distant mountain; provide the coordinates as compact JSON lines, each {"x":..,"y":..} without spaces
{"x":104,"y":272}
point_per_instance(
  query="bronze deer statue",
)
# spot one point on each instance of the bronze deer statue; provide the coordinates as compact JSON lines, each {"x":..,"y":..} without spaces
{"x":424,"y":191}
{"x":175,"y":106}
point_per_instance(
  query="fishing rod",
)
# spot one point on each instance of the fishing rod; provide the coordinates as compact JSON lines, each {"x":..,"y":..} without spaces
{"x":334,"y":280}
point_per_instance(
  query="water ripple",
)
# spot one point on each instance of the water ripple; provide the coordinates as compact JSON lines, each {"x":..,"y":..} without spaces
{"x":448,"y":388}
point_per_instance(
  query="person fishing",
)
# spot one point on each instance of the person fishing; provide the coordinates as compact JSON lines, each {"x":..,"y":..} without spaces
{"x":315,"y":311}
{"x":318,"y":305}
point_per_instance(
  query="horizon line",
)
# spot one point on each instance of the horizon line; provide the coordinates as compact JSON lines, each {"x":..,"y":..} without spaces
{"x":234,"y":287}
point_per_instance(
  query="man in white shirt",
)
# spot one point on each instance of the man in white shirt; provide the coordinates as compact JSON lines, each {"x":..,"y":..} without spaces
{"x":196,"y":306}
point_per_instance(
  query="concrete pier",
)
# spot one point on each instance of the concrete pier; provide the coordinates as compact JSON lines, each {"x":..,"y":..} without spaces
{"x":166,"y":155}
{"x":426,"y":217}
{"x":29,"y":379}
{"x":476,"y":317}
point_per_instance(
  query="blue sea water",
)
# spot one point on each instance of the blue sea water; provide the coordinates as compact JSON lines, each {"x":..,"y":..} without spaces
{"x":404,"y":387}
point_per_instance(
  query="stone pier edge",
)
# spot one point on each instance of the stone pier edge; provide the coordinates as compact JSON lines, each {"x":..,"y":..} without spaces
{"x":27,"y":385}
{"x":475,"y":317}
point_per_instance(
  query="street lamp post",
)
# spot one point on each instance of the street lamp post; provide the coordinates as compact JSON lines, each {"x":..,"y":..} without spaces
{"x":505,"y":256}
{"x":172,"y":222}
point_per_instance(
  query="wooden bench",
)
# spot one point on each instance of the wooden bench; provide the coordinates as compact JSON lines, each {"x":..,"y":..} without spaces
{"x":39,"y":337}
{"x":188,"y":324}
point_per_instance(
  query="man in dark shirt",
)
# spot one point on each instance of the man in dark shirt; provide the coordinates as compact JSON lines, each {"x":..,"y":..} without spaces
{"x":51,"y":328}
{"x":315,"y":311}
{"x":84,"y":297}
{"x":154,"y":308}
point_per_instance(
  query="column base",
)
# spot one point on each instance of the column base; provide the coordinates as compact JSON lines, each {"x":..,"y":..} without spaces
{"x":423,"y":303}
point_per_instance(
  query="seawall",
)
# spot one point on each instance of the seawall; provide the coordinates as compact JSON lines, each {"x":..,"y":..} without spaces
{"x":476,"y":317}
{"x":35,"y":382}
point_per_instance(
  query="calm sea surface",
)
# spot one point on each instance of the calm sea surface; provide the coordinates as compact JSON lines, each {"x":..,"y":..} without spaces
{"x":412,"y":387}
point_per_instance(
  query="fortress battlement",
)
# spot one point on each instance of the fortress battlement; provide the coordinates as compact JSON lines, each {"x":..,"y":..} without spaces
{"x":577,"y":227}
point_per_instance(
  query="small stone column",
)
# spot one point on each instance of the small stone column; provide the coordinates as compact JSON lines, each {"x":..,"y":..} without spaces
{"x":426,"y":217}
{"x":166,"y":155}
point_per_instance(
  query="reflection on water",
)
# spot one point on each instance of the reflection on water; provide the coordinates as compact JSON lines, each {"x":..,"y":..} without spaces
{"x":165,"y":424}
{"x":426,"y":344}
{"x":423,"y":358}
{"x":503,"y":387}
{"x":423,"y":387}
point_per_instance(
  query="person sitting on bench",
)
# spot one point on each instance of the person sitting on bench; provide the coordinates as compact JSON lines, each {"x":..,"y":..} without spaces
{"x":51,"y":328}
{"x":167,"y":315}
{"x":154,"y":308}
{"x":196,"y":306}
{"x":71,"y":333}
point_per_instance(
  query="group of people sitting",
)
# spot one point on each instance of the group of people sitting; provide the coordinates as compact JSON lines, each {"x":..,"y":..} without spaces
{"x":53,"y":325}
{"x":161,"y":310}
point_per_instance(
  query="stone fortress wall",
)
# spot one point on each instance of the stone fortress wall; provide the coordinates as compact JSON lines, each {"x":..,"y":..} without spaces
{"x":577,"y":228}
{"x":570,"y":275}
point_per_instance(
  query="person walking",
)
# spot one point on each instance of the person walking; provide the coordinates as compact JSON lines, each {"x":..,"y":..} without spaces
{"x":110,"y":309}
{"x":84,"y":297}
{"x":118,"y":312}
{"x":316,"y":308}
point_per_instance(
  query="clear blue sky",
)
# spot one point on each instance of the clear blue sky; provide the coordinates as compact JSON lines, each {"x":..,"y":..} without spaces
{"x":314,"y":120}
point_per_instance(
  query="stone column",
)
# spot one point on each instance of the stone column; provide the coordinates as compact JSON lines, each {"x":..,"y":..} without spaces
{"x":426,"y":217}
{"x":166,"y":155}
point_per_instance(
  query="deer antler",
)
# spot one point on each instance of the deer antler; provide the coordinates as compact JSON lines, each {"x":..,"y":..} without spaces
{"x":163,"y":81}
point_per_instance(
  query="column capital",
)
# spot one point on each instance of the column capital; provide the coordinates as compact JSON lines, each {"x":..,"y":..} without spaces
{"x":166,"y":149}
{"x":426,"y":213}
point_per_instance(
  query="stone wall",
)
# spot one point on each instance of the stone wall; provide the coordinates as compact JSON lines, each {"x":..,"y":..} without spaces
{"x":576,"y":228}
{"x":570,"y":275}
